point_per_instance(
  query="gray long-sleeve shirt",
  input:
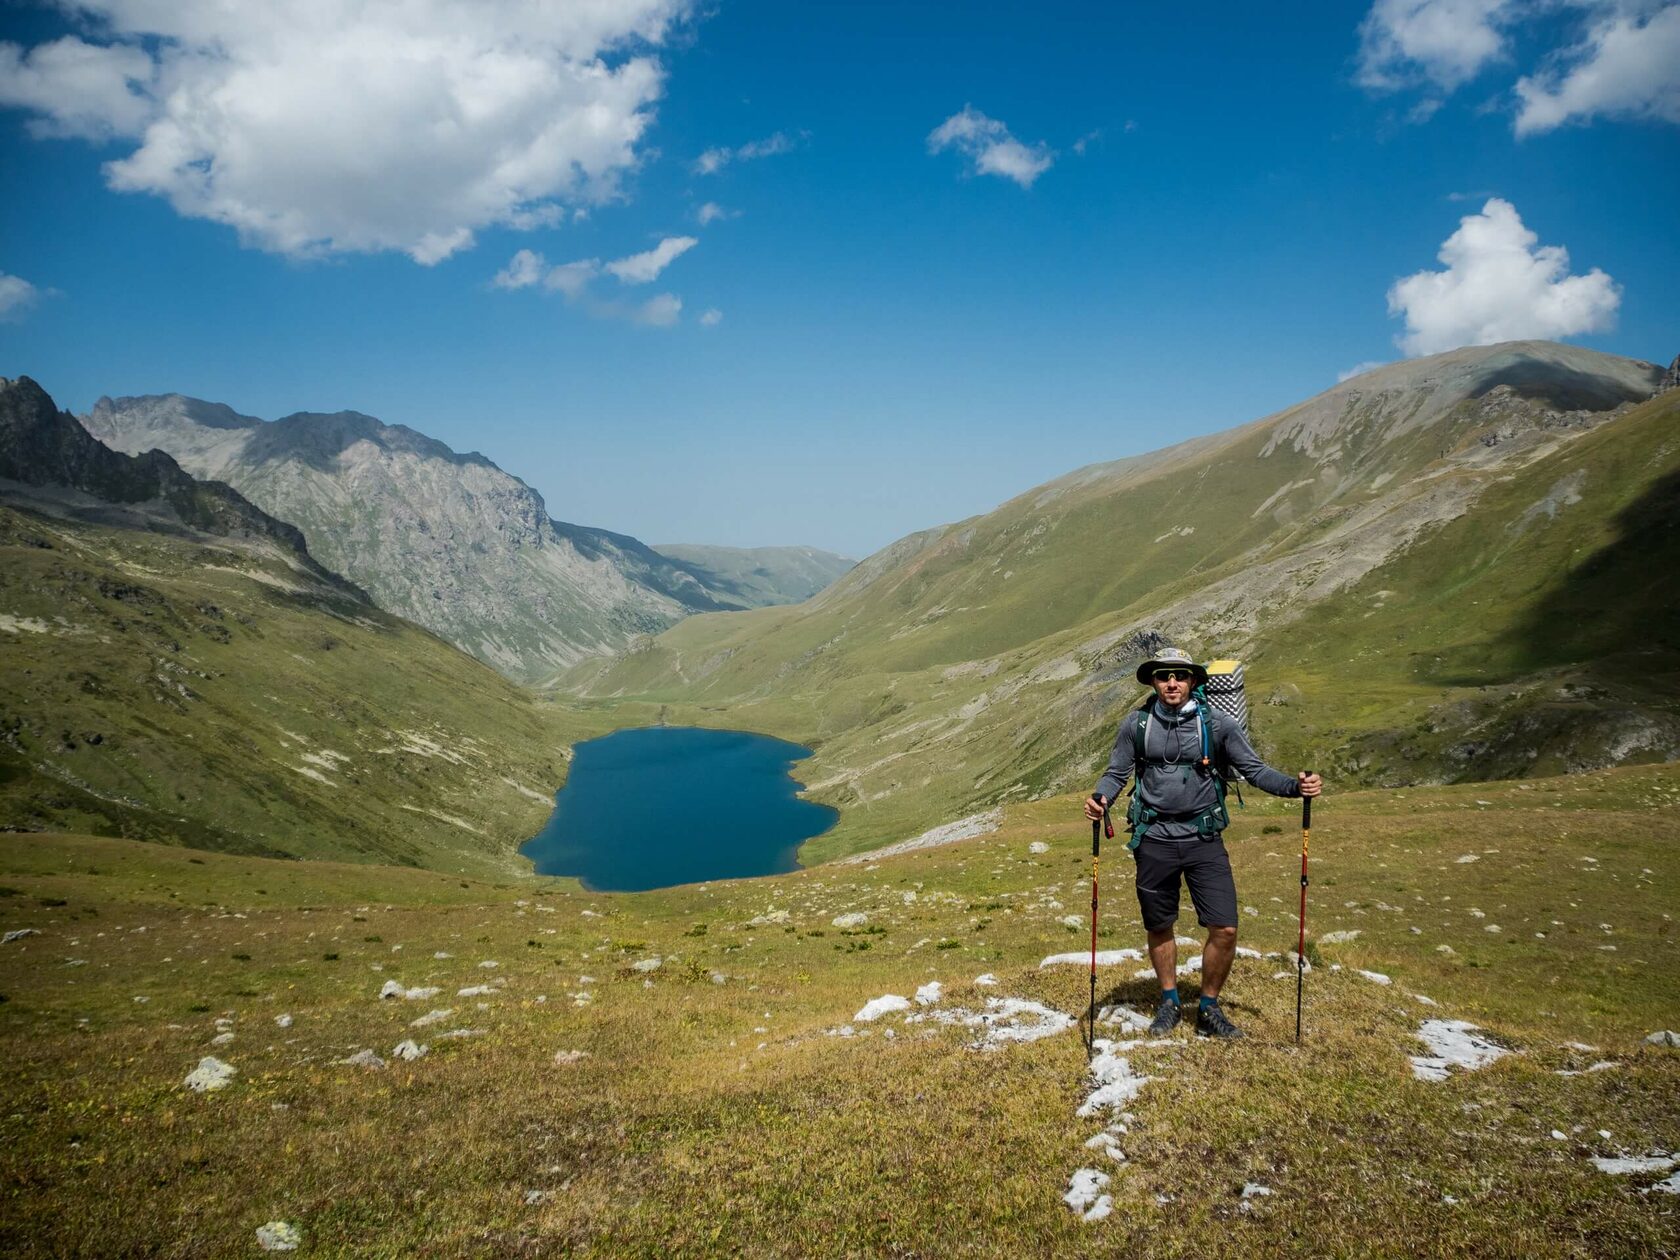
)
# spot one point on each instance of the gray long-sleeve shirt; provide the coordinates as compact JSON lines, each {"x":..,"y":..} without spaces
{"x":1171,"y":779}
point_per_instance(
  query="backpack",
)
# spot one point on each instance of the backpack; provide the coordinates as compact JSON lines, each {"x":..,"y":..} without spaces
{"x":1211,"y":821}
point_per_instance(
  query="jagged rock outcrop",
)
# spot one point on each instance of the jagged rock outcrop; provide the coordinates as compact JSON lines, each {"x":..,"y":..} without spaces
{"x":449,"y":541}
{"x":49,"y":452}
{"x":1671,"y":378}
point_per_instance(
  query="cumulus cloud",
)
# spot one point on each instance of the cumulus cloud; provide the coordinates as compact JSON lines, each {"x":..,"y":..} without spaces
{"x":711,"y":318}
{"x":17,"y":295}
{"x":714,"y":160}
{"x":321,"y":128}
{"x":711,"y":212}
{"x":987,"y":144}
{"x":644,"y":268}
{"x":1626,"y":68}
{"x":1498,"y":286}
{"x":1443,"y":42}
{"x":1625,"y":63}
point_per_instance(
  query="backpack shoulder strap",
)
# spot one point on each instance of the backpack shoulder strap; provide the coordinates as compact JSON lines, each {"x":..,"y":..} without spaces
{"x":1140,"y":730}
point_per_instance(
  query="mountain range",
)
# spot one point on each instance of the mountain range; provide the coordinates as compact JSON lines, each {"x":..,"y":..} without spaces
{"x":1450,"y":569}
{"x":451,"y":541}
{"x":1445,"y":569}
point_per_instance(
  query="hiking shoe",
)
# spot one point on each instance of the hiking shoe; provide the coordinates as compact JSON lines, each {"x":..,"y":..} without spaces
{"x":1211,"y":1022}
{"x":1166,"y":1018}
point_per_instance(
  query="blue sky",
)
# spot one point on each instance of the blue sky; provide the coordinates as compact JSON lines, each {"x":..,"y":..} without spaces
{"x":955,"y":251}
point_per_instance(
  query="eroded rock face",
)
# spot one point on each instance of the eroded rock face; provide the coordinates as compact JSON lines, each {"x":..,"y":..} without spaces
{"x":449,"y":541}
{"x":1671,"y":378}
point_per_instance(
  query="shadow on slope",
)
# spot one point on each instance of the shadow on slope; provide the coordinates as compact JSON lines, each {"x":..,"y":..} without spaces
{"x":1622,"y":600}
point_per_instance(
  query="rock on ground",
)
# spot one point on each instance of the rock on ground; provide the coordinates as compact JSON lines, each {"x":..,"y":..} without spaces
{"x":279,"y":1236}
{"x":210,"y":1074}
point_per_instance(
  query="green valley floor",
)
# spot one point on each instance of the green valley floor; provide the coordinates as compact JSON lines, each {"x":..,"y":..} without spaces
{"x":712,"y":1070}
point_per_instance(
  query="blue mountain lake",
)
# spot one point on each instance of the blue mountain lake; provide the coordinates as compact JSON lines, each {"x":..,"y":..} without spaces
{"x":659,"y":806}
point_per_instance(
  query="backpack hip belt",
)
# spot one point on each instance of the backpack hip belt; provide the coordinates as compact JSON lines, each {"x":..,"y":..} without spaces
{"x":1210,"y":822}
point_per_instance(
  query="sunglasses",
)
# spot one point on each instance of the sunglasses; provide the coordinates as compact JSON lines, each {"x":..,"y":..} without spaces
{"x":1172,"y":675}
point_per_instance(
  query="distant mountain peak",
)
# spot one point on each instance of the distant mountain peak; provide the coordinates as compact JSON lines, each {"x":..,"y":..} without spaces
{"x":450,"y":541}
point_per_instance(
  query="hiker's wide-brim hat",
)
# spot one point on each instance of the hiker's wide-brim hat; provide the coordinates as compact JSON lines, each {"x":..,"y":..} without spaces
{"x":1171,"y":658}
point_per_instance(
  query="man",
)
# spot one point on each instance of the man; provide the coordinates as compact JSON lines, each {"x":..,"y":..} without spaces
{"x":1179,"y":813}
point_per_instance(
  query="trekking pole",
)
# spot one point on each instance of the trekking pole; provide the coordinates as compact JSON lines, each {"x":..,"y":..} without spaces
{"x":1301,"y":943}
{"x":1097,"y":829}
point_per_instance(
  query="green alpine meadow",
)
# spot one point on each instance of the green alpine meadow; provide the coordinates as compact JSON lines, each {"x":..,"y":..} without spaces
{"x":273,"y":961}
{"x":675,"y":630}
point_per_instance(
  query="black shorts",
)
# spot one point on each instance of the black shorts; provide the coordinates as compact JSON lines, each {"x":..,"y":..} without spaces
{"x":1205,"y":866}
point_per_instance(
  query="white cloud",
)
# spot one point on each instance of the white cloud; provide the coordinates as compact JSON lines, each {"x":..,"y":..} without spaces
{"x":1626,"y":63}
{"x":17,"y":295}
{"x":1626,"y":68}
{"x":79,"y":89}
{"x":711,"y":212}
{"x":714,"y":160}
{"x":986,"y":142}
{"x":711,"y":318}
{"x":573,"y":281}
{"x":523,"y":270}
{"x":1443,"y":42}
{"x":645,"y":267}
{"x":1359,"y":369}
{"x":321,"y":127}
{"x":572,"y":278}
{"x":1498,"y":287}
{"x":658,"y":312}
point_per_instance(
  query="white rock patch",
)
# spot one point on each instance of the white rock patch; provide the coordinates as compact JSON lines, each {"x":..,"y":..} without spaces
{"x":279,"y":1236}
{"x":1085,"y":1194}
{"x":1114,"y":1082}
{"x":1623,"y":1165}
{"x":210,"y":1074}
{"x":1105,"y":958}
{"x":883,"y":1005}
{"x":1452,"y":1043}
{"x":395,"y":989}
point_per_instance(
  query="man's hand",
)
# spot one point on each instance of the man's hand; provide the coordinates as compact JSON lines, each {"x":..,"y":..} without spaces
{"x":1311,"y":784}
{"x":1094,"y":806}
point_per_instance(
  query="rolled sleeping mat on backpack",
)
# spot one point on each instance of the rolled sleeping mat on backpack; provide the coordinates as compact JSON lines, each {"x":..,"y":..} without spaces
{"x":1225,"y":691}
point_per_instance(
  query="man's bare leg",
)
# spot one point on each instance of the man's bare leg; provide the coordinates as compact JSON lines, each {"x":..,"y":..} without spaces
{"x":1163,"y":954}
{"x":1221,"y":947}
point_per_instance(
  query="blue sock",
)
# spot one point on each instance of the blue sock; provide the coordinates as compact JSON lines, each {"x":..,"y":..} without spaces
{"x":1171,"y":994}
{"x":1207,"y":1002}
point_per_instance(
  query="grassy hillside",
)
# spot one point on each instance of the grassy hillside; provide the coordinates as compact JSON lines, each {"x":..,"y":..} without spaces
{"x":214,"y":692}
{"x":1431,"y":510}
{"x":718,"y":1108}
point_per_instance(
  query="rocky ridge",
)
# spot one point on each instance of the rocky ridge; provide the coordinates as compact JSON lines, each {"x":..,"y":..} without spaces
{"x":449,"y":541}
